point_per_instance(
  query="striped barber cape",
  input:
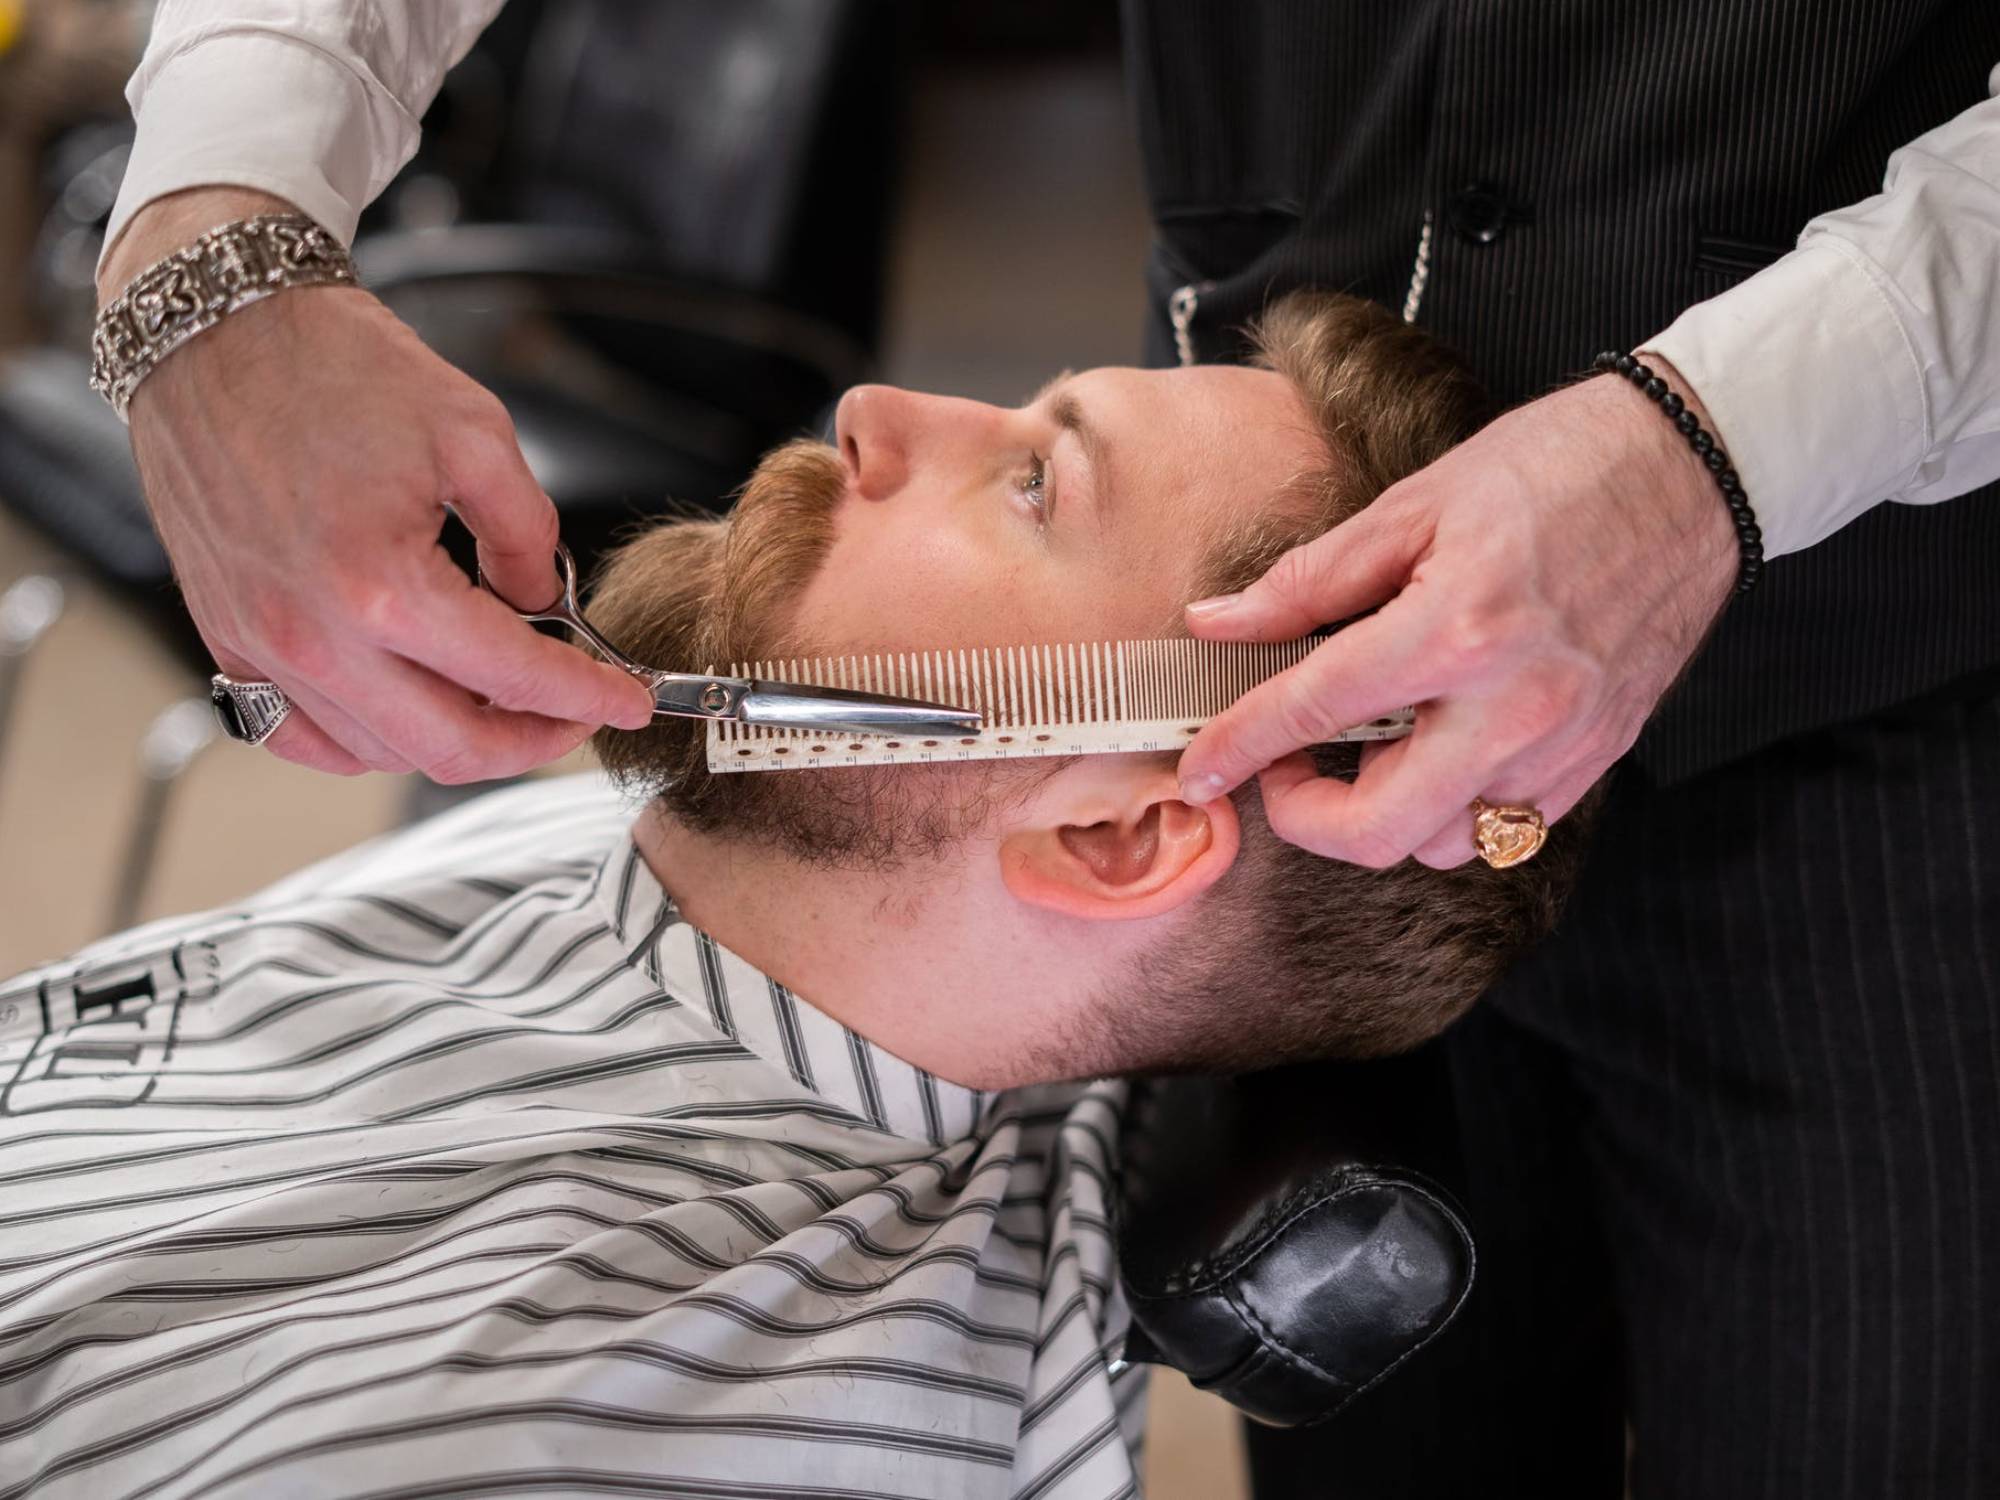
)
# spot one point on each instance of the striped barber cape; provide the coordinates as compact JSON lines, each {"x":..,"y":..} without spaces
{"x":462,"y":1165}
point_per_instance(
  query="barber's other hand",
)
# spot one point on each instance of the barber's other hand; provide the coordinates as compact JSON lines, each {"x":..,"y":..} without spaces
{"x":298,"y":459}
{"x":1545,"y":584}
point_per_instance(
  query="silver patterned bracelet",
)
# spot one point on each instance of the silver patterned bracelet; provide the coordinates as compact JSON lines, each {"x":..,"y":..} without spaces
{"x":195,"y":288}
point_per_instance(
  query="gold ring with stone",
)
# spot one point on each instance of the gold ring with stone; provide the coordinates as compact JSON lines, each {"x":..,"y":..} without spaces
{"x":1506,"y":835}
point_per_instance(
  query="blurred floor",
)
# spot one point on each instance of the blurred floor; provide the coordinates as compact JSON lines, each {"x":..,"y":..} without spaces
{"x":1019,"y":254}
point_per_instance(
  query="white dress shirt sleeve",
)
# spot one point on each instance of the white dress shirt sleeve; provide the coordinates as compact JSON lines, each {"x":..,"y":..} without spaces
{"x":316,"y":101}
{"x":1865,"y":364}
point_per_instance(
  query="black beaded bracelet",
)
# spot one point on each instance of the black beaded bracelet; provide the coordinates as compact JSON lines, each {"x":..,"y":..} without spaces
{"x":1749,"y":537}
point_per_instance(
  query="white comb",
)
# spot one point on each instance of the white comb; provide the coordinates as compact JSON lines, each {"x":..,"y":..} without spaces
{"x":1080,"y":698}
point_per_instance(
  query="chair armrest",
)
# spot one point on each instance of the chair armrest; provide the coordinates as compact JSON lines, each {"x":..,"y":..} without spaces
{"x":1275,"y":1244}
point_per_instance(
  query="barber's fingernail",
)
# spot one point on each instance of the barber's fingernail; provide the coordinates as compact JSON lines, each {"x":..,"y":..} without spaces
{"x":1203,"y":788}
{"x":1215,"y":608}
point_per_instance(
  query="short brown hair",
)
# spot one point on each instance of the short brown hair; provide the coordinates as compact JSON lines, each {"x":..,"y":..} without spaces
{"x":1347,"y":961}
{"x":1288,"y":955}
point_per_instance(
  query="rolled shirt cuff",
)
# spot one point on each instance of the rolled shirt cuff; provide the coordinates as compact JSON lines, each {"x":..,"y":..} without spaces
{"x":253,"y":109}
{"x":1813,"y":387}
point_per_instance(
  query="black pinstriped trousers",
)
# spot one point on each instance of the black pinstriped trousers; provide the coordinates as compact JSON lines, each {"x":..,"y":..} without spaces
{"x":1732,"y":1152}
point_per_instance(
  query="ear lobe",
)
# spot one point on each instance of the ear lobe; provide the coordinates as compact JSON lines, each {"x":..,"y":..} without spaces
{"x":1126,"y":864}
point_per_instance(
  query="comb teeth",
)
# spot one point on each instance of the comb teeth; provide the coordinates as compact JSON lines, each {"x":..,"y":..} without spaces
{"x":1059,"y":699}
{"x":1093,"y":682}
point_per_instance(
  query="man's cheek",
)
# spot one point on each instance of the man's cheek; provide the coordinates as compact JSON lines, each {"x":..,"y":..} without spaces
{"x":933,"y":586}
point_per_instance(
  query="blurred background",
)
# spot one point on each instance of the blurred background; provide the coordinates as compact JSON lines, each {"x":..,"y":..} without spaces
{"x":668,"y":233}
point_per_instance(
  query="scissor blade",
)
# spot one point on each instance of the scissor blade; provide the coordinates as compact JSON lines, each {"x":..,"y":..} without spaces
{"x":797,"y":705}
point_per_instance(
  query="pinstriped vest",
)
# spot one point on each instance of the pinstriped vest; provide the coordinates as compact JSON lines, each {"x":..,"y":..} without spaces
{"x":1589,"y":168}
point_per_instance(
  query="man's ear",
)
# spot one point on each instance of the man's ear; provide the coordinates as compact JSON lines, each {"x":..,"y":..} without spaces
{"x":1111,"y":839}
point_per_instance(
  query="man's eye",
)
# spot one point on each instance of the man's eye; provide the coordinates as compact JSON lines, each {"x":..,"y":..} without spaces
{"x":1035,"y":486}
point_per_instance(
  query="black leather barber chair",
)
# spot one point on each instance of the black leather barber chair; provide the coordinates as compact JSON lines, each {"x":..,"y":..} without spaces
{"x":1284,"y":1237}
{"x":655,"y":229}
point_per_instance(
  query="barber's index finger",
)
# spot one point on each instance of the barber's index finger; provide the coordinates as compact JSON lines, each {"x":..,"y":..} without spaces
{"x":1357,"y":566}
{"x":1363,"y":672}
{"x":475,"y":640}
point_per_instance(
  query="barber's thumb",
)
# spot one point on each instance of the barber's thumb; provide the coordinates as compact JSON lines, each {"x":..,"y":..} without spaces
{"x":517,"y":530}
{"x":497,"y":497}
{"x":526,"y":579}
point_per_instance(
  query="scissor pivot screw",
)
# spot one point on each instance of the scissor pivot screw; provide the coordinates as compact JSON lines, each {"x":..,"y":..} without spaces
{"x":715,"y":699}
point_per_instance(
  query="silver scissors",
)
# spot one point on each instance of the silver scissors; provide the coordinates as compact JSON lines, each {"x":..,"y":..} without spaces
{"x":772,"y":705}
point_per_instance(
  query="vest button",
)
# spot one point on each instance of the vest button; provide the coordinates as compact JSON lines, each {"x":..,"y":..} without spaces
{"x":1479,"y":213}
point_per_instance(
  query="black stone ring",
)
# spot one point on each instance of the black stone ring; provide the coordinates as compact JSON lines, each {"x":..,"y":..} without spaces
{"x":248,"y":711}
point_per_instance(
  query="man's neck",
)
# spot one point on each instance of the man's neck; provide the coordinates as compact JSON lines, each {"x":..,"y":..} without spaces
{"x":946,"y":972}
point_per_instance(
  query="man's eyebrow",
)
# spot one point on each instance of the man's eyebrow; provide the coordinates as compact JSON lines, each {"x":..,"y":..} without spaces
{"x":1049,"y":387}
{"x":1068,"y":414}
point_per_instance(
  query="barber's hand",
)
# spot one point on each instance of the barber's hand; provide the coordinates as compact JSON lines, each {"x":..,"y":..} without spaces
{"x":298,"y":459}
{"x":1545,"y":583}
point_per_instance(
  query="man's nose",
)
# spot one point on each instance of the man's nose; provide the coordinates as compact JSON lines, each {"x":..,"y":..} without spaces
{"x":872,"y":428}
{"x":885,"y":434}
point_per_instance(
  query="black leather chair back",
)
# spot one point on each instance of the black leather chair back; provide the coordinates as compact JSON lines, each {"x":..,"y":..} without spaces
{"x":1280,"y":1240}
{"x":752,"y":145}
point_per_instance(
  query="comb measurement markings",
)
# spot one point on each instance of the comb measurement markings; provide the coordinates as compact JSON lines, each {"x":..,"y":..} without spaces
{"x":1127,"y":737}
{"x":1065,"y":698}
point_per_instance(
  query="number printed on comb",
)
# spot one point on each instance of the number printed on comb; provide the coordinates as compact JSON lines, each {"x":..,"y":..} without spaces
{"x":1074,"y":698}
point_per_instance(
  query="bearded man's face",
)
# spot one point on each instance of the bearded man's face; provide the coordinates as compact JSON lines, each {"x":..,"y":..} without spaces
{"x":1093,"y":512}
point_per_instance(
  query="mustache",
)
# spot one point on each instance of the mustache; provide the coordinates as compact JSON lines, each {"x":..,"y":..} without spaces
{"x":694,"y":594}
{"x":775,"y":541}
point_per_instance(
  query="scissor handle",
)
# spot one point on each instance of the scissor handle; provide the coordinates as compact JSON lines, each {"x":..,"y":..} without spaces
{"x":564,"y":611}
{"x":777,"y":705}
